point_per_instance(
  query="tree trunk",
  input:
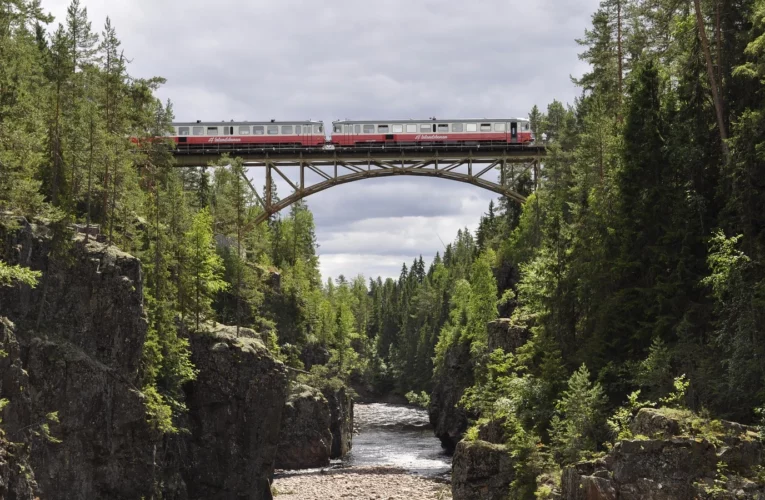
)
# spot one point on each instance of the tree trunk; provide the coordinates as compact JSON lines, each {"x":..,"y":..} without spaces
{"x":619,"y":48}
{"x":712,"y":79}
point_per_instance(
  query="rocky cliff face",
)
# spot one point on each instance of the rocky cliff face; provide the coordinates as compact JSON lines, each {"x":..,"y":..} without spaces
{"x":80,"y":339}
{"x":504,"y":334}
{"x":340,"y":421}
{"x":481,"y":471}
{"x":663,"y":465}
{"x":234,"y":410}
{"x":16,"y":476}
{"x":448,"y":420}
{"x":305,"y":439}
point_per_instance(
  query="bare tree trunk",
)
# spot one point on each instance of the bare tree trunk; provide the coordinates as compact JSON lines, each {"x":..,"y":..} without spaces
{"x":712,"y":79}
{"x":619,"y":47}
{"x":90,"y":183}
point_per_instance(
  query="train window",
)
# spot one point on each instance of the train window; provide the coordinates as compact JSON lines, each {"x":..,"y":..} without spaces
{"x":228,"y":130}
{"x":183,"y":130}
{"x":499,"y":127}
{"x":317,"y":129}
{"x":198,"y":130}
{"x":272,"y":129}
{"x":383,"y":129}
{"x":398,"y":128}
{"x":287,"y":129}
{"x":486,"y":127}
{"x":471,"y":127}
{"x":298,"y":129}
{"x":357,"y":129}
{"x":244,"y":130}
{"x":526,"y":126}
{"x":212,"y":130}
{"x":411,"y":127}
{"x":369,"y":129}
{"x":337,"y":129}
{"x":457,"y":127}
{"x":425,"y":127}
{"x":443,"y":127}
{"x":258,"y":129}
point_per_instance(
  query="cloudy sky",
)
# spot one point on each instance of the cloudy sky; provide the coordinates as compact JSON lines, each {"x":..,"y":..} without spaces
{"x":357,"y":59}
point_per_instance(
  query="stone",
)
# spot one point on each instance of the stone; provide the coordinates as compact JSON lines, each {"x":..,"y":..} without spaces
{"x":652,"y":423}
{"x":481,"y":471}
{"x":305,"y":439}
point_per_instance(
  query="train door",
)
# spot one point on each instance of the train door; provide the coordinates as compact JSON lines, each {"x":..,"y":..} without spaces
{"x":513,"y":132}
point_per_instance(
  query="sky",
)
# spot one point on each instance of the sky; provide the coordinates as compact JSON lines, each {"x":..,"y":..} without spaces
{"x":357,"y":59}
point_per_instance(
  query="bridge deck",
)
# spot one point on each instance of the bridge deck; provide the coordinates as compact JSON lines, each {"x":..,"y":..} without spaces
{"x":403,"y":155}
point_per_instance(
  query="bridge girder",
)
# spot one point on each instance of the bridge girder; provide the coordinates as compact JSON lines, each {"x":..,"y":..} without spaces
{"x":334,"y":168}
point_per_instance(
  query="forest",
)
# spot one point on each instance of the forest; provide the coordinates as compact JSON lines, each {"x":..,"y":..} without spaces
{"x":636,"y":262}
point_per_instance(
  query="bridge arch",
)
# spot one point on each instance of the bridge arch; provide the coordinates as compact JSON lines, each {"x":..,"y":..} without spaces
{"x":333,"y":168}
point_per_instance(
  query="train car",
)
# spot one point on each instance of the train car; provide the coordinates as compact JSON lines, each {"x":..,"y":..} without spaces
{"x":242,"y":135}
{"x":432,"y":132}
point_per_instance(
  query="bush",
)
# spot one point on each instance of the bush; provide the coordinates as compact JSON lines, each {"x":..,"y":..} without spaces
{"x":422,"y":399}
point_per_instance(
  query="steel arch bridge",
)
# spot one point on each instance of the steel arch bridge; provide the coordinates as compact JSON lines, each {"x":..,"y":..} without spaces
{"x":336,"y":167}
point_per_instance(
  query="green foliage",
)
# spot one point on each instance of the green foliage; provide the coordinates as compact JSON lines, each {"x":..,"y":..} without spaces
{"x":158,"y":412}
{"x":676,"y":399}
{"x":719,"y":486}
{"x":203,"y":269}
{"x":10,"y":274}
{"x":422,"y":399}
{"x":619,"y":422}
{"x":577,"y":429}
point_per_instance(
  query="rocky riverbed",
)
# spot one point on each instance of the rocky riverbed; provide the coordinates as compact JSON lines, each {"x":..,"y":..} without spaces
{"x":394,"y":456}
{"x":386,"y":483}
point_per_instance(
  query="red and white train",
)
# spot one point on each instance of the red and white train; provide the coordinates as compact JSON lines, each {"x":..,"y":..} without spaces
{"x":352,"y":134}
{"x":431,"y":132}
{"x":202,"y":135}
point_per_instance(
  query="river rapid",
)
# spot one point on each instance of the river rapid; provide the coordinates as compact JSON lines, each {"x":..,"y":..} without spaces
{"x":398,"y":436}
{"x":394,"y":456}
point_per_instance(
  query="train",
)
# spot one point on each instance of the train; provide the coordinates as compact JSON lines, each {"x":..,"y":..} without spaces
{"x":350,"y":134}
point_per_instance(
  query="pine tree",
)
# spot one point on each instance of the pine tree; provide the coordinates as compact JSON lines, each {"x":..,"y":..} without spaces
{"x":204,"y":268}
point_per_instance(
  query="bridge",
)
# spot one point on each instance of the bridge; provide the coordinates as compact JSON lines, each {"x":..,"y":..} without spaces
{"x":332,"y":167}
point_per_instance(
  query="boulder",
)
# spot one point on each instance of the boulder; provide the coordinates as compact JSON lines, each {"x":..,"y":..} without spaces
{"x":651,"y":422}
{"x":305,"y":440}
{"x":481,"y":471}
{"x":449,"y":421}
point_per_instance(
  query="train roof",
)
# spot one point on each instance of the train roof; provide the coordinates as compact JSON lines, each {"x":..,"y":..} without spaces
{"x":431,"y":120}
{"x":229,"y":123}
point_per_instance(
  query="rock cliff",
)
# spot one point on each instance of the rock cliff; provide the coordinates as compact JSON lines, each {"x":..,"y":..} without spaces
{"x":305,"y":439}
{"x":80,"y":336}
{"x":663,"y":465}
{"x":481,"y":471}
{"x":341,"y":420}
{"x":448,"y":420}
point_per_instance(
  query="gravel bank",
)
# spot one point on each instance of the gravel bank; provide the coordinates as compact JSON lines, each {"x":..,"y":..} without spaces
{"x":385,"y":483}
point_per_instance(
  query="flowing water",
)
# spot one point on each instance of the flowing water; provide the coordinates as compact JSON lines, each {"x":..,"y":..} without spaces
{"x":398,"y":436}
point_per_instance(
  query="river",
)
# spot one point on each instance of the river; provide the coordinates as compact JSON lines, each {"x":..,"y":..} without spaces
{"x":398,"y":436}
{"x":394,"y":456}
